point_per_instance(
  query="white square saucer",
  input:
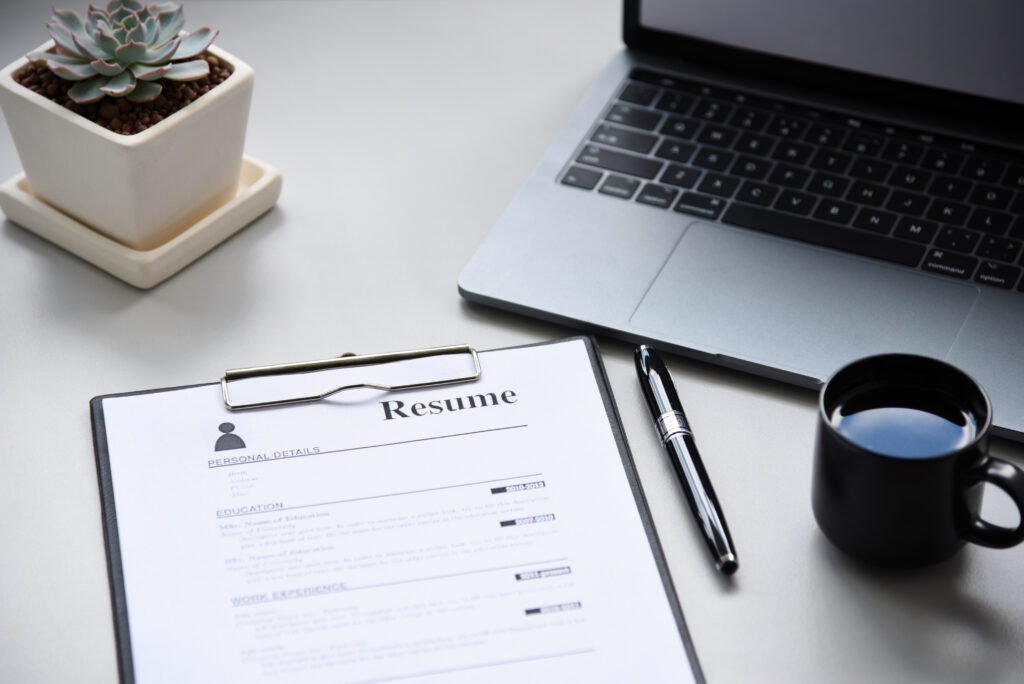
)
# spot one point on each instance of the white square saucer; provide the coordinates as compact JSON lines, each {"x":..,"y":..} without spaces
{"x":259,"y":186}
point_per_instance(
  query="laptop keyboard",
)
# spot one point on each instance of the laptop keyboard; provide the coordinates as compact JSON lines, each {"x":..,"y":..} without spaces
{"x":946,"y":206}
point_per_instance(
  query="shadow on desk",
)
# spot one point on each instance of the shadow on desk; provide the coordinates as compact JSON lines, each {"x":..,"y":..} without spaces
{"x":73,"y":292}
{"x":929,"y":618}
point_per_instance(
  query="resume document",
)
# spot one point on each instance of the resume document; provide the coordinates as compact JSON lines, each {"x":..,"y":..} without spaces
{"x":484,"y":531}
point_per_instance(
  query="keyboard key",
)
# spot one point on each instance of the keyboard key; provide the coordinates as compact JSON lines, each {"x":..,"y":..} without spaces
{"x":680,"y":127}
{"x":712,"y":110}
{"x":680,"y":176}
{"x":868,"y":145}
{"x":638,"y":94}
{"x":757,"y":193}
{"x":675,"y":151}
{"x":619,"y":186}
{"x":1018,"y":228}
{"x":999,"y":275}
{"x":989,"y":221}
{"x":957,"y":239}
{"x":827,"y":184}
{"x":870,"y":169}
{"x":717,"y":184}
{"x":983,"y":170}
{"x":619,"y":161}
{"x":875,"y":220}
{"x":623,"y":138}
{"x":835,"y":211}
{"x":918,"y":230}
{"x":628,"y":115}
{"x":998,"y":248}
{"x":675,"y":102}
{"x":790,"y":176}
{"x":827,"y":160}
{"x":749,"y":119}
{"x":902,"y":152}
{"x":720,"y":136}
{"x":710,"y":158}
{"x":1014,"y":178}
{"x":825,"y":135}
{"x":948,"y":212}
{"x":751,"y":167}
{"x":943,"y":161}
{"x":794,"y":202}
{"x":794,"y":153}
{"x":824,"y":234}
{"x":579,"y":177}
{"x":910,"y":178}
{"x":867,"y":193}
{"x":951,"y":188}
{"x":787,"y":127}
{"x":755,"y":144}
{"x":908,"y":203}
{"x":991,"y":196}
{"x":700,"y":205}
{"x":657,"y":195}
{"x":950,"y":263}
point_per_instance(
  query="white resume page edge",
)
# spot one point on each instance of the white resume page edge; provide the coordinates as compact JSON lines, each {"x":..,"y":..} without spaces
{"x":483,"y":531}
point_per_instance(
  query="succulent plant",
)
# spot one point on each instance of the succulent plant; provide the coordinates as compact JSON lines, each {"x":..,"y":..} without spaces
{"x":123,"y":50}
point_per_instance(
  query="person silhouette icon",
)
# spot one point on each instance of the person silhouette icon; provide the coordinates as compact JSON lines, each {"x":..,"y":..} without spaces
{"x":228,"y":440}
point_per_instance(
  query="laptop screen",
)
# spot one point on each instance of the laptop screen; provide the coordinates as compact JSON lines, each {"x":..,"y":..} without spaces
{"x":969,"y":46}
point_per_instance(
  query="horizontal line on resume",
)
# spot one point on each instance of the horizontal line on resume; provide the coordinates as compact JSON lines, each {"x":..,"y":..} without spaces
{"x":384,"y":496}
{"x":360,"y":448}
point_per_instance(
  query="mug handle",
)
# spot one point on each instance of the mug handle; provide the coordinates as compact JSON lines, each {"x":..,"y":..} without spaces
{"x":1010,"y":479}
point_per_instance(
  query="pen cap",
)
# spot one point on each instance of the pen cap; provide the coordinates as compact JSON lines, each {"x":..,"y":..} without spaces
{"x":657,"y":385}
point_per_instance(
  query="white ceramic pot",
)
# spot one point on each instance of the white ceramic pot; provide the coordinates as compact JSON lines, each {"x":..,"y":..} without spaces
{"x":140,"y":190}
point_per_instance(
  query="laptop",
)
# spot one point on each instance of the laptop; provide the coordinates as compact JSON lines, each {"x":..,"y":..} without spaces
{"x":784,"y":187}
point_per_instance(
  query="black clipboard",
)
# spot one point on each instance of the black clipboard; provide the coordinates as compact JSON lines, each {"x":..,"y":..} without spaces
{"x":109,"y":511}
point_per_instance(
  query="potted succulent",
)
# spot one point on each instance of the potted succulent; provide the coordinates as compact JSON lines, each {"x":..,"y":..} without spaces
{"x":130,"y":128}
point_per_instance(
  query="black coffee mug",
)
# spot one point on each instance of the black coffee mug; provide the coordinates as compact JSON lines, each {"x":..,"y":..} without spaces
{"x":900,"y":460}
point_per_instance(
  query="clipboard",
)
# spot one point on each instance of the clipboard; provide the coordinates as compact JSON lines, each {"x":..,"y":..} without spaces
{"x":476,"y":369}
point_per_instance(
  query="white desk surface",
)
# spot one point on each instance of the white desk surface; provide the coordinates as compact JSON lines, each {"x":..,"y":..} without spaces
{"x":402,"y":129}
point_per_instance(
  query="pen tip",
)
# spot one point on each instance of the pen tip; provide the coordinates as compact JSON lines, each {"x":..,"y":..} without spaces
{"x":728,"y":565}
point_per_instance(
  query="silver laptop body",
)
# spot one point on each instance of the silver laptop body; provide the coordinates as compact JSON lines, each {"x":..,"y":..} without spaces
{"x":706,"y":280}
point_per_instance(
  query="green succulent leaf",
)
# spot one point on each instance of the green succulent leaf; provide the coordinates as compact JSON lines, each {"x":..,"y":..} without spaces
{"x":69,"y":19}
{"x":120,"y":85}
{"x":120,"y":14}
{"x":171,"y":22}
{"x":131,"y":5}
{"x":84,"y":92}
{"x":137,"y":35}
{"x":64,"y":40}
{"x":160,"y":7}
{"x":104,"y":68}
{"x":194,"y":43}
{"x":161,"y":54}
{"x":105,"y":43}
{"x":145,"y":91}
{"x":130,"y":52}
{"x":151,"y":27}
{"x":52,"y":59}
{"x":92,"y":19}
{"x":188,"y":71}
{"x":91,"y":49}
{"x":74,"y":72}
{"x":146,"y":72}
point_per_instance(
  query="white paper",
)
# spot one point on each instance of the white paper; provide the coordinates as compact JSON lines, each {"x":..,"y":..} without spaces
{"x":366,"y":540}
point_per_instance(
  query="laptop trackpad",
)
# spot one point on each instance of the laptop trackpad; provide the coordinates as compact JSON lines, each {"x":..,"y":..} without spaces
{"x":796,"y":307}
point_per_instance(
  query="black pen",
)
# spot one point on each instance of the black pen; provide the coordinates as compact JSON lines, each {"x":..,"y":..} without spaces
{"x":682,"y":450}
